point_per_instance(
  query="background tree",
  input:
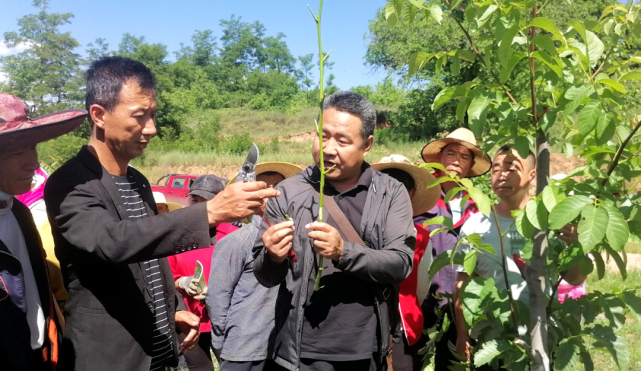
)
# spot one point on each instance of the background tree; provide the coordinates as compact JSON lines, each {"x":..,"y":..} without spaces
{"x":47,"y":74}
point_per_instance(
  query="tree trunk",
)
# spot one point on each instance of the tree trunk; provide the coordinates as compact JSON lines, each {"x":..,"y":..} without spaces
{"x":536,"y":271}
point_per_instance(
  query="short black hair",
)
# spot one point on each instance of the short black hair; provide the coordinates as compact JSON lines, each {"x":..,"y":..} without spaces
{"x":354,"y":104}
{"x":106,"y":76}
{"x":531,"y":157}
{"x":271,"y":173}
{"x":402,"y":176}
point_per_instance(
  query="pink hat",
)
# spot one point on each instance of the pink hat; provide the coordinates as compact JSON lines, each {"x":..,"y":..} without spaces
{"x":19,"y":131}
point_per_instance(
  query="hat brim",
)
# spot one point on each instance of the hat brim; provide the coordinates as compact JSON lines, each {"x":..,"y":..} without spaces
{"x":425,"y":198}
{"x":171,"y":206}
{"x":285,"y":169}
{"x":482,"y":163}
{"x":204,"y":194}
{"x":40,"y":129}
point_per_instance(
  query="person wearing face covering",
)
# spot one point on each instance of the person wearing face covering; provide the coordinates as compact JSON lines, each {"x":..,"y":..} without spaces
{"x":29,"y":324}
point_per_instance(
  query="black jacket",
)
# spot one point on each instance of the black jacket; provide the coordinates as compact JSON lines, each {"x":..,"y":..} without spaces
{"x":386,"y":227}
{"x":109,"y":317}
{"x":15,"y":336}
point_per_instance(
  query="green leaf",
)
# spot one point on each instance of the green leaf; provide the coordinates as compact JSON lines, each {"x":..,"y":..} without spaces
{"x":524,"y":227}
{"x":486,"y":15}
{"x":505,"y":49}
{"x":551,"y":196}
{"x":461,"y":108}
{"x":633,"y":302}
{"x":469,"y":263}
{"x":522,"y":146}
{"x":418,"y":60}
{"x":575,"y":95}
{"x":613,"y":84}
{"x":482,"y":200}
{"x":390,"y":13}
{"x":451,"y":193}
{"x":592,"y":226}
{"x":476,"y":294}
{"x":437,"y":181}
{"x":435,"y":165}
{"x":465,"y":55}
{"x":440,"y":220}
{"x":595,"y":47}
{"x":443,"y":259}
{"x":477,"y":106}
{"x":455,"y":65}
{"x":566,"y":355}
{"x":487,"y":247}
{"x":605,"y":128}
{"x":537,"y":214}
{"x":549,"y":26}
{"x":438,"y":230}
{"x":547,"y":121}
{"x":549,"y":61}
{"x":589,"y":116}
{"x":600,"y":265}
{"x":613,"y":343}
{"x":632,"y":75}
{"x":617,"y":259}
{"x":436,"y":13}
{"x":474,"y":239}
{"x":617,"y":231}
{"x":446,"y":94}
{"x":490,"y":350}
{"x":545,"y":42}
{"x":567,"y":210}
{"x":568,"y":149}
{"x":506,"y":71}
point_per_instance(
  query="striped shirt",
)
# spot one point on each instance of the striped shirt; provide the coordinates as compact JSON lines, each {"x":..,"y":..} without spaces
{"x":135,"y":209}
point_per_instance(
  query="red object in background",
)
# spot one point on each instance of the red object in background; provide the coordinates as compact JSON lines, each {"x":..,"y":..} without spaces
{"x":175,"y":187}
{"x":184,"y":265}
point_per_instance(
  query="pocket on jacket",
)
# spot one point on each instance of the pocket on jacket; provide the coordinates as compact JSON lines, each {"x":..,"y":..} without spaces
{"x":4,"y":292}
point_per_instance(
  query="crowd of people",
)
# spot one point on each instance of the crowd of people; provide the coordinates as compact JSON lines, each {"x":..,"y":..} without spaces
{"x":97,"y":272}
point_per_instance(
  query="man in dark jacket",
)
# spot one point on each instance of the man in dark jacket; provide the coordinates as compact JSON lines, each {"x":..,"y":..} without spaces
{"x":29,"y":330}
{"x":123,"y":309}
{"x":346,"y":323}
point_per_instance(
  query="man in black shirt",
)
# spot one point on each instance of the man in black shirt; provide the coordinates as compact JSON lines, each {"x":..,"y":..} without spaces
{"x":123,"y":310}
{"x":345,"y":324}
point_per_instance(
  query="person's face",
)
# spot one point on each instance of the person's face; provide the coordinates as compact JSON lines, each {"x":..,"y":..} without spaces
{"x":457,"y":158}
{"x":195,"y":199}
{"x":129,"y":128}
{"x":272,"y":181}
{"x":343,"y":145}
{"x":511,"y":176}
{"x":162,"y":208}
{"x":17,"y":169}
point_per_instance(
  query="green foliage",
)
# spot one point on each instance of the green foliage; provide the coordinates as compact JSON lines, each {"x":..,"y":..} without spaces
{"x":543,"y":74}
{"x":53,"y":153}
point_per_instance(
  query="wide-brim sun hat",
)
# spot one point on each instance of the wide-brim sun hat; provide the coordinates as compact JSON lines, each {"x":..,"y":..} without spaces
{"x":425,"y":198}
{"x":18,"y":131}
{"x":160,"y":199}
{"x":285,"y":169}
{"x":482,"y":163}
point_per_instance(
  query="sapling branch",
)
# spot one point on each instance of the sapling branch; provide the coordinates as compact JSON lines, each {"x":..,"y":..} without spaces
{"x":617,"y":156}
{"x":504,"y":268}
{"x":319,"y":131}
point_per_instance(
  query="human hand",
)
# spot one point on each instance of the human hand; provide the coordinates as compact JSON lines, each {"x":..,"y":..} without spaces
{"x":569,"y":234}
{"x":278,"y":241}
{"x":238,"y":201}
{"x":189,"y":285}
{"x":328,"y":243}
{"x":463,"y":347}
{"x":202,"y":292}
{"x":189,"y":324}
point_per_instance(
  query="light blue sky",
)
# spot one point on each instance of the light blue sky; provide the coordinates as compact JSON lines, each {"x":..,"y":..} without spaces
{"x":345,"y":24}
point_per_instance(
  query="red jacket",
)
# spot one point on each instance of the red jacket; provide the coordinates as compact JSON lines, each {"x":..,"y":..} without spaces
{"x":184,"y":264}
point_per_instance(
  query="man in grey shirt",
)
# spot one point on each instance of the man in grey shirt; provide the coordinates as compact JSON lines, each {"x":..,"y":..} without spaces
{"x":241,"y":309}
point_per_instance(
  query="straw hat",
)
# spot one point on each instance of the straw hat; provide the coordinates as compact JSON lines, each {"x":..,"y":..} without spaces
{"x":425,"y":198}
{"x":482,"y":163}
{"x":160,"y":199}
{"x":17,"y":130}
{"x":283,"y":168}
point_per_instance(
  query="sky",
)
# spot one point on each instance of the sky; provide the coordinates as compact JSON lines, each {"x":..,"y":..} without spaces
{"x":170,"y":22}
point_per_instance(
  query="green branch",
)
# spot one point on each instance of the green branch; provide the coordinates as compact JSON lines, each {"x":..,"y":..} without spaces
{"x":319,"y":130}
